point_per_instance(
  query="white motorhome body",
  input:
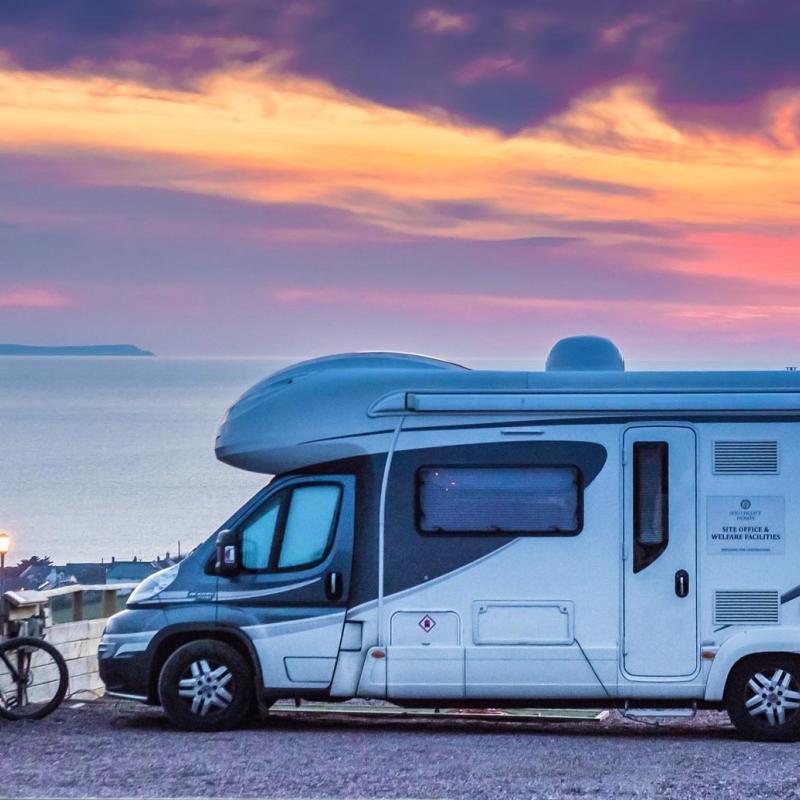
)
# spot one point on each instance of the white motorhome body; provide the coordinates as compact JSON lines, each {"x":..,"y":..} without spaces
{"x":582,"y":534}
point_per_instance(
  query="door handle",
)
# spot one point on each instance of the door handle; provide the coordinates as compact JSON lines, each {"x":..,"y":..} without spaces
{"x":333,"y":585}
{"x":681,"y":583}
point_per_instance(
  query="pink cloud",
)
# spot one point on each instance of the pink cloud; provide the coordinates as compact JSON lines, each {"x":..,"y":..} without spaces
{"x":495,"y":66}
{"x":434,"y":20}
{"x":33,"y":298}
{"x":453,"y":305}
{"x":626,"y":318}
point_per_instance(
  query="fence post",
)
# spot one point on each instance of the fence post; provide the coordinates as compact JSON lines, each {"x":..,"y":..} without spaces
{"x":77,"y":606}
{"x":109,"y":602}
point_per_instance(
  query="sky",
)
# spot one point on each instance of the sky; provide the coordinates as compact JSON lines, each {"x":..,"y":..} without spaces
{"x":466,"y":179}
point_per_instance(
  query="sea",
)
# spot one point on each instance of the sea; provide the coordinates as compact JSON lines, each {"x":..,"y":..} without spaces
{"x":114,"y":457}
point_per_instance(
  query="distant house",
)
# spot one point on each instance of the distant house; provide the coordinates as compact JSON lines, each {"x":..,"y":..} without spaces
{"x":167,"y":561}
{"x":52,"y":576}
{"x":85,"y":573}
{"x":129,"y":571}
{"x":12,"y":577}
{"x":41,"y":576}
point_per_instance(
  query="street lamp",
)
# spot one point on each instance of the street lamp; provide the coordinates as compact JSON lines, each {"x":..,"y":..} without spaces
{"x":5,"y":544}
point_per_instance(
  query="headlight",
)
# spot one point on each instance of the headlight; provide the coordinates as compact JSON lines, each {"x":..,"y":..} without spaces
{"x":106,"y":648}
{"x":153,"y":585}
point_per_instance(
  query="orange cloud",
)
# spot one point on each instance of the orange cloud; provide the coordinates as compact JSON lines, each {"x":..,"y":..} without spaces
{"x":270,"y":137}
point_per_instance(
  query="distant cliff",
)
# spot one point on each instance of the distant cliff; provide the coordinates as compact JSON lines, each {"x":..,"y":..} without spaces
{"x":75,"y":350}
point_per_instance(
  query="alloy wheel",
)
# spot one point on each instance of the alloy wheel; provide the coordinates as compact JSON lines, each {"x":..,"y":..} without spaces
{"x":206,"y":687}
{"x":773,"y":697}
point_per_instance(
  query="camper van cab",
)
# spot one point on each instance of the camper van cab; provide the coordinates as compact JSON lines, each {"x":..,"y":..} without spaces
{"x":435,"y":535}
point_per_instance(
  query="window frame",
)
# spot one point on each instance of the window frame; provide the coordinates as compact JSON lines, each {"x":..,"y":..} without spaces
{"x":272,"y":567}
{"x":579,"y":486}
{"x":647,"y":553}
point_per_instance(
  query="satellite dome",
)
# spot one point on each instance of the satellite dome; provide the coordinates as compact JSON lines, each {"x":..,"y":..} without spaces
{"x":583,"y":354}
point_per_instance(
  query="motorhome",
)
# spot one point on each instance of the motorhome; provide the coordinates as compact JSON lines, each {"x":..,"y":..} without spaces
{"x":436,"y":535}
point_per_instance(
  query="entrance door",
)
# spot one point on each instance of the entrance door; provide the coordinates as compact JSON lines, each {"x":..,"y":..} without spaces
{"x":291,"y":591}
{"x":660,"y":609}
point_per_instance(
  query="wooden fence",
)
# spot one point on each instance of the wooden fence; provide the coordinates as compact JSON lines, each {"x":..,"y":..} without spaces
{"x":76,"y":616}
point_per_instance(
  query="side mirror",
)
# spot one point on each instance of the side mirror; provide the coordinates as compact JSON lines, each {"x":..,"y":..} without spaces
{"x":227,"y":553}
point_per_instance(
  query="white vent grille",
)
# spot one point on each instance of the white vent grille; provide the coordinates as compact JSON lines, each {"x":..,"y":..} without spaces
{"x":746,"y":458}
{"x":743,"y":607}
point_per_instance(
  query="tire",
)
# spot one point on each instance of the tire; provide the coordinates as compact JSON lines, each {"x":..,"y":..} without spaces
{"x":763,"y":698}
{"x":9,"y":660}
{"x":206,"y":686}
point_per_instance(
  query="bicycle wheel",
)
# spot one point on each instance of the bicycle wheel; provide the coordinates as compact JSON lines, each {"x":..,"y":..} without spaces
{"x":33,"y":678}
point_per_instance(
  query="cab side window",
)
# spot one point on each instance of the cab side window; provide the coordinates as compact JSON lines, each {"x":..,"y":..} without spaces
{"x":258,"y":535}
{"x":294,"y":530}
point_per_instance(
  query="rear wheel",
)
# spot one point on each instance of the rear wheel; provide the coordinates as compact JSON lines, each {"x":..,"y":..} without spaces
{"x":764,"y":698}
{"x":206,"y":686}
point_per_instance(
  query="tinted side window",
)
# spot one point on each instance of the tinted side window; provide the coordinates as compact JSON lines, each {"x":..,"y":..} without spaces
{"x":650,"y":502}
{"x":541,"y":499}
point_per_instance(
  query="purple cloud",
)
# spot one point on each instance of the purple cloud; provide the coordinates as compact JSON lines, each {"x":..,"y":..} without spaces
{"x":504,"y":64}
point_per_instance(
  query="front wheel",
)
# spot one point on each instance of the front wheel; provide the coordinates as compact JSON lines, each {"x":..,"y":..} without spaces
{"x":33,"y":678}
{"x":764,"y":698}
{"x":206,"y":686}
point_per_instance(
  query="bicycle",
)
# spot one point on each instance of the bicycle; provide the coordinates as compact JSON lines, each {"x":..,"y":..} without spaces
{"x":33,"y":674}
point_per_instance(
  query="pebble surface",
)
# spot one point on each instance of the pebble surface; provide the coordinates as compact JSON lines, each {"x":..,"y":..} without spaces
{"x":108,"y":748}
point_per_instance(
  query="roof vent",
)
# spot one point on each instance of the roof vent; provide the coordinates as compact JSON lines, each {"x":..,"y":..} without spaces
{"x":585,"y":354}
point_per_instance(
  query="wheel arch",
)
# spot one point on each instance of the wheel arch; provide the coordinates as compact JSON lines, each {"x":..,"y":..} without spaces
{"x":755,"y":657}
{"x":748,"y":644}
{"x":170,"y":639}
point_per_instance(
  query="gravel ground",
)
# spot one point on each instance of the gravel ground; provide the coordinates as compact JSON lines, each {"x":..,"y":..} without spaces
{"x":118,"y":749}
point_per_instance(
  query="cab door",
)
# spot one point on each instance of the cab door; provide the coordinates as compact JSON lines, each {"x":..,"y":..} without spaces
{"x":290,"y":593}
{"x":660,"y":576}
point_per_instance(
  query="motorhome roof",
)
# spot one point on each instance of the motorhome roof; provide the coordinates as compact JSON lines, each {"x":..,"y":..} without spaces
{"x":329,"y":408}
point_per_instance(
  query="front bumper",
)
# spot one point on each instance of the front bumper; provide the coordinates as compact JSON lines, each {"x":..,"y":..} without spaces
{"x":125,"y":652}
{"x":124,"y":661}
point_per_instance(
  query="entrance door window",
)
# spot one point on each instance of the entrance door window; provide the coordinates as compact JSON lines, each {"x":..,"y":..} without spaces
{"x":650,"y":502}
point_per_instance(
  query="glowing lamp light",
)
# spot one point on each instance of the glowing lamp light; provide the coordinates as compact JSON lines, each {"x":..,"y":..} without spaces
{"x":5,"y":544}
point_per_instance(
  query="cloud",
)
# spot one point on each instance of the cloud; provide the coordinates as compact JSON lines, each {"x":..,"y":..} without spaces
{"x":505,"y":65}
{"x":437,"y":21}
{"x":169,"y":174}
{"x":591,"y":186}
{"x":33,"y":298}
{"x":726,"y":55}
{"x":643,"y":321}
{"x":282,"y":160}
